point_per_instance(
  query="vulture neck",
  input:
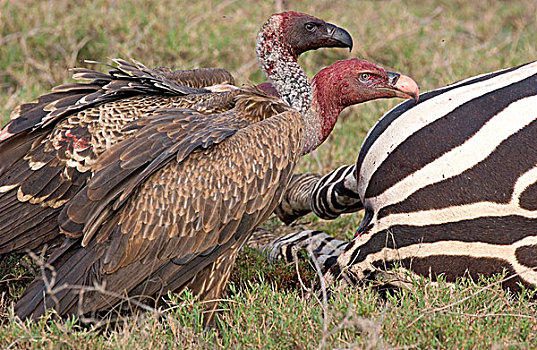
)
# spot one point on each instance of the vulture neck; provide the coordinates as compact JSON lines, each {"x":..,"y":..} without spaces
{"x":321,"y":116}
{"x":280,"y":65}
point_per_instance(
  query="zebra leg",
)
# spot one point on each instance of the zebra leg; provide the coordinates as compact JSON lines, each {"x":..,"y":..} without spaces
{"x":319,"y":245}
{"x":296,"y":200}
{"x":336,"y":193}
{"x":328,"y":197}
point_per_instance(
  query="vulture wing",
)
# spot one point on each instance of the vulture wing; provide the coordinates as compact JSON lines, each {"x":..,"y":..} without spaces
{"x":122,"y":81}
{"x":164,"y":204}
{"x":52,"y":143}
{"x":198,"y":78}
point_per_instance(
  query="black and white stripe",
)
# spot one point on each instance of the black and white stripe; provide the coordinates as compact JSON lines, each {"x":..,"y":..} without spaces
{"x":449,"y":185}
{"x":335,"y":193}
{"x":296,"y":200}
{"x":328,"y":197}
{"x":319,"y":245}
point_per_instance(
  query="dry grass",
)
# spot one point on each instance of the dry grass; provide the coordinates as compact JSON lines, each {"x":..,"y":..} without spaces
{"x":435,"y":42}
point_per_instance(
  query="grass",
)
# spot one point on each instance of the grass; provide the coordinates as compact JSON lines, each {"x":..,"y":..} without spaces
{"x":434,"y":42}
{"x":260,"y":315}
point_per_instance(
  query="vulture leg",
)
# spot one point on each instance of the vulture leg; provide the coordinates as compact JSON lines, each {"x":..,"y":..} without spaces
{"x":210,"y":283}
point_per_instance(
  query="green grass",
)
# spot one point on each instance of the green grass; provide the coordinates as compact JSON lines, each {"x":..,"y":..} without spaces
{"x":434,"y":42}
{"x":260,"y":315}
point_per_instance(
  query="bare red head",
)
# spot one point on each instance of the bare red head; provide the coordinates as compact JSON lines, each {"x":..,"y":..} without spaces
{"x":354,"y":81}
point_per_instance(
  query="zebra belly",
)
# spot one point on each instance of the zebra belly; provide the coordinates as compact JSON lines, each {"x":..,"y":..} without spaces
{"x":482,"y":246}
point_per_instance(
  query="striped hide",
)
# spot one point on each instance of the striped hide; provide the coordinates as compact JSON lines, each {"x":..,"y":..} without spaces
{"x":449,"y":185}
{"x":328,"y":196}
{"x":335,"y":194}
{"x":319,"y":245}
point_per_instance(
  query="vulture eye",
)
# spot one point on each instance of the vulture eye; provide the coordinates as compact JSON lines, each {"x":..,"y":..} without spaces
{"x":310,"y":27}
{"x":364,"y":77}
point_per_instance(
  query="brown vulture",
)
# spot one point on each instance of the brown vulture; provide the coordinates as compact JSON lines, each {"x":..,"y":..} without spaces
{"x":57,"y":149}
{"x":175,"y":194}
{"x":49,"y":146}
{"x":161,"y":215}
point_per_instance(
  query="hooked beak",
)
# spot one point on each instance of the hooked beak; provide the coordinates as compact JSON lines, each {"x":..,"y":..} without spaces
{"x":403,"y":86}
{"x":338,"y":37}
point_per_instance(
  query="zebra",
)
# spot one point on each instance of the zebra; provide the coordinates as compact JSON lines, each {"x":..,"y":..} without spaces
{"x":448,"y":186}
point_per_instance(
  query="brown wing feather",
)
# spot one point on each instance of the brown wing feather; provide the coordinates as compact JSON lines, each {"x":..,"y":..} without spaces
{"x":47,"y":166}
{"x":191,"y":184}
{"x":161,"y":137}
{"x":198,"y":78}
{"x":123,"y":81}
{"x":160,"y":230}
{"x":181,"y":132}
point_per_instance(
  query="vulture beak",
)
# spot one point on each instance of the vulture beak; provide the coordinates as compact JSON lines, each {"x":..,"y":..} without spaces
{"x":403,"y":86}
{"x":338,"y":37}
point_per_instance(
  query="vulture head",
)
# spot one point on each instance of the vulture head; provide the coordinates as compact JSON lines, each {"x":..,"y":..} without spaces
{"x":353,"y":81}
{"x":302,"y":32}
{"x":343,"y":84}
{"x":293,"y":33}
{"x":283,"y":38}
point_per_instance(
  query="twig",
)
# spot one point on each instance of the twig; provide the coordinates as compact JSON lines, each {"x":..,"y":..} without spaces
{"x":460,"y":301}
{"x":491,"y":315}
{"x":324,"y":303}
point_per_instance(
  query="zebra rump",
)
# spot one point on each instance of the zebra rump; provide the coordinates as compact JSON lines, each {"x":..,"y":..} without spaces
{"x":449,"y":185}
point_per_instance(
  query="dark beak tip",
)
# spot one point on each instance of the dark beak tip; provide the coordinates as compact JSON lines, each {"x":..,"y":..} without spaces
{"x":413,"y":97}
{"x":341,"y":36}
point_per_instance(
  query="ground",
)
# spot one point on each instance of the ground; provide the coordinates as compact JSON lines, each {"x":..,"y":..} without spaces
{"x":434,"y":42}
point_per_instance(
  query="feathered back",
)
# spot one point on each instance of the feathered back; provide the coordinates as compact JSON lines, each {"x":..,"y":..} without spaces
{"x":122,"y":81}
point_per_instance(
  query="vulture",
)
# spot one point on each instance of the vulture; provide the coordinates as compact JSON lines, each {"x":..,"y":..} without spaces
{"x":48,"y":148}
{"x":149,"y":177}
{"x":170,"y":206}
